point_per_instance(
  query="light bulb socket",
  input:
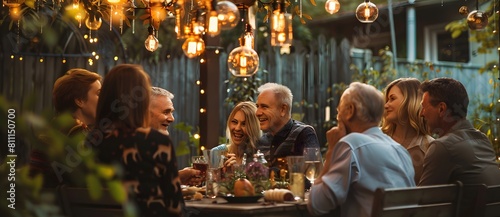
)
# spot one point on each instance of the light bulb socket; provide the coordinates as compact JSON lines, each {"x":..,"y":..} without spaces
{"x":151,"y":30}
{"x":213,"y":3}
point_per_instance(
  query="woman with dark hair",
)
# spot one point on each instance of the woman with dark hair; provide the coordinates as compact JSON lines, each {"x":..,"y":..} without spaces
{"x":122,"y":136}
{"x":401,"y":120}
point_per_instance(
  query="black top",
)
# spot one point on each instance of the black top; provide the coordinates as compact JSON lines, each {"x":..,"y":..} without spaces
{"x":149,"y":168}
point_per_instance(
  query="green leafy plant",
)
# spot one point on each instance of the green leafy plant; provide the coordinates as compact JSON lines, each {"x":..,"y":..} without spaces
{"x":193,"y":142}
{"x":68,"y":157}
{"x":243,"y":89}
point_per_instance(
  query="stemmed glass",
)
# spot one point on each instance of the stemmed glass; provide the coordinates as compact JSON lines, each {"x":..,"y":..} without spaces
{"x":313,"y":163}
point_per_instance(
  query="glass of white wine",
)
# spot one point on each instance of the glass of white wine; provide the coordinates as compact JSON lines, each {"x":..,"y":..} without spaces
{"x":313,"y":163}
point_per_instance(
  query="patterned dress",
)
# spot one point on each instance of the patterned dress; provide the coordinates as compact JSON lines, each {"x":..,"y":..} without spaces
{"x":149,"y":168}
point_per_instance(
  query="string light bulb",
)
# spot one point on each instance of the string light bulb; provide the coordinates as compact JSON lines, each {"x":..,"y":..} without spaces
{"x":151,"y":42}
{"x":281,"y":26}
{"x":93,"y":22}
{"x":228,"y":15}
{"x":367,"y":12}
{"x":477,"y":20}
{"x":243,"y":61}
{"x":213,"y":24}
{"x":194,"y":46}
{"x":332,"y":6}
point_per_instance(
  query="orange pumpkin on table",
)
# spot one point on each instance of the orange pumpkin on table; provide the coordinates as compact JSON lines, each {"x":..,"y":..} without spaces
{"x":243,"y":188}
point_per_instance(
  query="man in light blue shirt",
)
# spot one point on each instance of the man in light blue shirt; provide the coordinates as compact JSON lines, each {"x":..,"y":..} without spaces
{"x":360,"y":157}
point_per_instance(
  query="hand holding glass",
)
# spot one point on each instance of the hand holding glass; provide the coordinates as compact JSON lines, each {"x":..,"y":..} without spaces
{"x":201,"y":164}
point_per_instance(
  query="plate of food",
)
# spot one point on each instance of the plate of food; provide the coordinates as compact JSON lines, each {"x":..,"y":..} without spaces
{"x":242,"y":199}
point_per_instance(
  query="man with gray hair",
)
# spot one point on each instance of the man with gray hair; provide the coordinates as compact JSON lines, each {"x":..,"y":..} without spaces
{"x":360,"y":157}
{"x":283,"y":136}
{"x":161,"y":109}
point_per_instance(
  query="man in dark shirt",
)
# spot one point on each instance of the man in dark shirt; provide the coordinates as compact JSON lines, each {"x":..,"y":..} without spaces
{"x":283,"y":136}
{"x":461,"y":153}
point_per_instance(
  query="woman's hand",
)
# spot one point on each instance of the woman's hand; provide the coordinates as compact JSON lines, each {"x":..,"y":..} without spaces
{"x":231,"y":160}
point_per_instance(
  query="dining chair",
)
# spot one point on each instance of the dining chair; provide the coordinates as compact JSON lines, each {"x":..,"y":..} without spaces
{"x":473,"y":200}
{"x":76,"y":202}
{"x":425,"y":201}
{"x":492,"y":201}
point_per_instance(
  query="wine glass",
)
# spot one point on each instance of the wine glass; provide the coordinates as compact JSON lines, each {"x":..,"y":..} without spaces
{"x":313,"y":163}
{"x":200,"y":163}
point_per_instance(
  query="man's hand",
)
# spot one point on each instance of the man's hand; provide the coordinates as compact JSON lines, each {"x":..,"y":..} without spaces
{"x":190,"y":176}
{"x":335,"y":134}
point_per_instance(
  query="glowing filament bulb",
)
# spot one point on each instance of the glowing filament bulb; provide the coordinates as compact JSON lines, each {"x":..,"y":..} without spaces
{"x":192,"y":47}
{"x":332,"y":6}
{"x":243,"y":61}
{"x":281,"y":37}
{"x":367,"y":11}
{"x":213,"y":24}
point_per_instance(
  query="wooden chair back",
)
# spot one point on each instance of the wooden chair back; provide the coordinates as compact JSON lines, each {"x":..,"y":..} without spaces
{"x":473,"y":200}
{"x":76,"y":202}
{"x":492,"y":201}
{"x":425,"y":201}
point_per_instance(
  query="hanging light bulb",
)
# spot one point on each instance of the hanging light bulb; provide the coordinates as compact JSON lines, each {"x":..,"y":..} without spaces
{"x":158,"y":14}
{"x":477,"y":20}
{"x":14,"y":8}
{"x":243,"y":61}
{"x":213,"y":24}
{"x":332,"y":6}
{"x":367,"y":12}
{"x":193,"y":46}
{"x":151,"y":42}
{"x":93,"y":22}
{"x":281,"y":27}
{"x":228,"y":15}
{"x":198,"y":21}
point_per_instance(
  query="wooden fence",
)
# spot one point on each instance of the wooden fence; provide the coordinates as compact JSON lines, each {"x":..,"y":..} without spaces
{"x":310,"y":74}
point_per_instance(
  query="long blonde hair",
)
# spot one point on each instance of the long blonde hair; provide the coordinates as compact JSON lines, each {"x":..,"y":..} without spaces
{"x":252,"y":127}
{"x":410,"y":106}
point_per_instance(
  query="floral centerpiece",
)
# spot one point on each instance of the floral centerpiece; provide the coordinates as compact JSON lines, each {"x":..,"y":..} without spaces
{"x":254,"y":173}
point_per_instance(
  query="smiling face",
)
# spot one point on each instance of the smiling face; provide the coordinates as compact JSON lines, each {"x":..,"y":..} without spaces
{"x":270,"y":112}
{"x":161,"y":112}
{"x":238,"y":129}
{"x":394,"y":101}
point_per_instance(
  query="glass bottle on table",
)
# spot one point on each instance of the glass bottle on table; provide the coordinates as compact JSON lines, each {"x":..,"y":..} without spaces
{"x":296,"y":176}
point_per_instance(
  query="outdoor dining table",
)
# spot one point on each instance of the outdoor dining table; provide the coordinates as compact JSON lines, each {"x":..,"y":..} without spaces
{"x":219,"y":207}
